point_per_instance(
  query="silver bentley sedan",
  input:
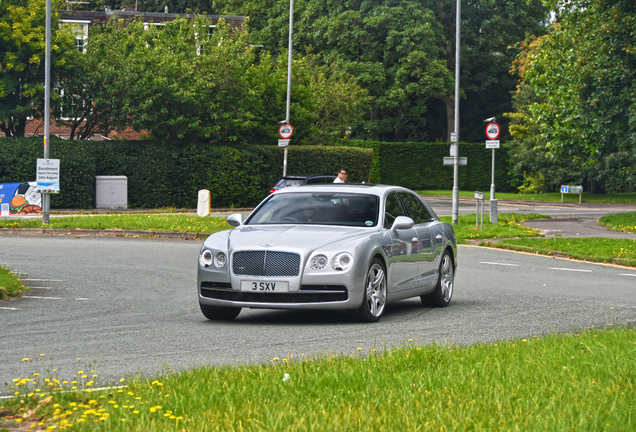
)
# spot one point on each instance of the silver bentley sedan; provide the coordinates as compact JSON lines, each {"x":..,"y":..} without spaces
{"x":337,"y":246}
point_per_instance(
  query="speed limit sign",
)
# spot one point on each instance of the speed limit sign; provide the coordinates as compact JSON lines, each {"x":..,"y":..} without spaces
{"x":285,"y":131}
{"x":492,"y":131}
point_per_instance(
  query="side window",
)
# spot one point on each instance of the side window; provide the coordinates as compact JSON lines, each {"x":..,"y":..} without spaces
{"x":313,"y":180}
{"x":414,"y":208}
{"x":392,"y":209}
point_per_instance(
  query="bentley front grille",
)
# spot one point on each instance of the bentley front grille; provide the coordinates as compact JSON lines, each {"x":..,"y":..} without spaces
{"x":265,"y":263}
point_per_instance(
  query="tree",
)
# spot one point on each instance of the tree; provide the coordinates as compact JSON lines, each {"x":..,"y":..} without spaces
{"x":22,"y":61}
{"x":185,"y":81}
{"x":583,"y":73}
{"x":403,"y":53}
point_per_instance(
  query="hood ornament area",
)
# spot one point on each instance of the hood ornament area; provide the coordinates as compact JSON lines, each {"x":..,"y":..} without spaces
{"x":266,"y":245}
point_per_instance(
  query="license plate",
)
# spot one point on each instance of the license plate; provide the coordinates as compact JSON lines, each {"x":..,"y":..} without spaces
{"x":265,"y":286}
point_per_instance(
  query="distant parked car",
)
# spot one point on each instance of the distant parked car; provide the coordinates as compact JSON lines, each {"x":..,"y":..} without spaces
{"x":347,"y":247}
{"x":301,"y":180}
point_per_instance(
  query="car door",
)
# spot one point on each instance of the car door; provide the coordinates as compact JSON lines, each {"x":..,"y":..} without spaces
{"x":427,"y":252}
{"x":403,"y":259}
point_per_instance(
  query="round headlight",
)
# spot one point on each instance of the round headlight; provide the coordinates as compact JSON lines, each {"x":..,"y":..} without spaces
{"x":342,"y":261}
{"x":318,"y":262}
{"x":220,"y":260}
{"x":205,"y":259}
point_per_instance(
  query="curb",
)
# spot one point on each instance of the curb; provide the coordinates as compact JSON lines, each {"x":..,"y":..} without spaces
{"x":98,"y":232}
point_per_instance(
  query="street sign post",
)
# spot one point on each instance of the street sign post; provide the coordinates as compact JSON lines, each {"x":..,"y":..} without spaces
{"x":479,"y":196}
{"x":453,"y":137}
{"x":285,"y":130}
{"x":492,"y":133}
{"x":573,"y":190}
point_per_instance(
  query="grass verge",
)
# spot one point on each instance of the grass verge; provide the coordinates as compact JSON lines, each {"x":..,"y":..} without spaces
{"x":625,"y":222}
{"x":508,"y":226}
{"x":549,"y":197}
{"x":155,"y":222}
{"x":583,"y":381}
{"x":10,"y":285}
{"x":620,"y":251}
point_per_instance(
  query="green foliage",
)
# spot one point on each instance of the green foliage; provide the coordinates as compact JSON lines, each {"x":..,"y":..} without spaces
{"x":10,"y":285}
{"x":403,"y":53}
{"x":170,"y":174}
{"x":180,"y":82}
{"x":22,"y":52}
{"x":583,"y":113}
{"x":420,"y":165}
{"x":620,"y":221}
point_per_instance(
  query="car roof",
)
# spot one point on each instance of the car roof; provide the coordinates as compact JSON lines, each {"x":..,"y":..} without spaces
{"x":301,"y":177}
{"x":368,"y":188}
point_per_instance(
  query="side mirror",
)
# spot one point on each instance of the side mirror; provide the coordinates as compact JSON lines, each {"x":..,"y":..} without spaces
{"x":402,"y":222}
{"x":235,"y":219}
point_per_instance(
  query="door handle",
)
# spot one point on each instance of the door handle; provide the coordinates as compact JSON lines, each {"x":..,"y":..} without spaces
{"x":438,"y":237}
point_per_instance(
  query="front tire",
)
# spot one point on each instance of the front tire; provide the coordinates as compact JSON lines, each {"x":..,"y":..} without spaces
{"x":374,"y":301}
{"x":216,"y":313}
{"x":443,"y":293}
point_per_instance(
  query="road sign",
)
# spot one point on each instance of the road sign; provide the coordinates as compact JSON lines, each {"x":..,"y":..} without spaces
{"x":453,"y":150}
{"x":492,"y":144}
{"x":492,"y":131}
{"x":47,"y":175}
{"x":453,"y":137}
{"x":479,"y":195}
{"x":285,"y":131}
{"x":451,"y":161}
{"x":283,"y":143}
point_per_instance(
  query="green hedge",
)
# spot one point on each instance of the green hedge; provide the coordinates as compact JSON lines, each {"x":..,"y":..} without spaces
{"x":170,"y":174}
{"x":420,"y":166}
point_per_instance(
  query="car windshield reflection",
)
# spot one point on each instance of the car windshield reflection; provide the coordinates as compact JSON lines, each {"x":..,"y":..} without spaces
{"x":345,"y":209}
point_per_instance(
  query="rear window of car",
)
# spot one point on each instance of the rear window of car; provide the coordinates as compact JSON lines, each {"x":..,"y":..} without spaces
{"x":283,"y":183}
{"x":305,"y":208}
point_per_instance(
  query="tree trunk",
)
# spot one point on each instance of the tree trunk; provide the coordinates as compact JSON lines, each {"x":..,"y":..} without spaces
{"x":449,"y":102}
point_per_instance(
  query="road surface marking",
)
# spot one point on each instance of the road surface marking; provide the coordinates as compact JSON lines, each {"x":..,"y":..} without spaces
{"x":81,"y":298}
{"x":503,"y":264}
{"x":37,"y":288}
{"x":570,"y":269}
{"x":38,"y":297}
{"x":627,"y":274}
{"x":6,"y":308}
{"x":43,"y":280}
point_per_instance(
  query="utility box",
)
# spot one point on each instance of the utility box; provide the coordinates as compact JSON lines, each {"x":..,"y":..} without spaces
{"x":111,"y":192}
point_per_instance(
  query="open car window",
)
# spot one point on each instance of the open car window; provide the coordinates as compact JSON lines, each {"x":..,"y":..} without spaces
{"x":343,"y":209}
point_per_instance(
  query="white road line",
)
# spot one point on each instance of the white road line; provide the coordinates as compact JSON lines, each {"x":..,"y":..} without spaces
{"x":81,"y":298}
{"x":502,"y":264}
{"x":627,"y":274}
{"x":44,"y":280}
{"x":38,"y":297}
{"x":5,"y":308}
{"x":569,"y":269}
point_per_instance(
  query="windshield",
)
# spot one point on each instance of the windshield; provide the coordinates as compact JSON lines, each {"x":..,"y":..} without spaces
{"x":318,"y":209}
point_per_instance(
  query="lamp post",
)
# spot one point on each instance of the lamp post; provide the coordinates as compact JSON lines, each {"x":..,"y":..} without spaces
{"x":456,"y":126}
{"x":289,"y":76}
{"x":47,"y":106}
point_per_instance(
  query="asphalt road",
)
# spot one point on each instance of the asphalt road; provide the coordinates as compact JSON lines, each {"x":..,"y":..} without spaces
{"x":130,"y":304}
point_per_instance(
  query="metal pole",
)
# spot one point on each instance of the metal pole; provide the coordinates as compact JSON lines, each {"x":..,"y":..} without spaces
{"x":47,"y":106}
{"x":456,"y":127}
{"x":492,"y":183}
{"x":289,"y":74}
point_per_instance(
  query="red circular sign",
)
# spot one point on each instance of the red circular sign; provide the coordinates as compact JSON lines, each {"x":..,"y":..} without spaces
{"x":493,"y":130}
{"x":285,"y":131}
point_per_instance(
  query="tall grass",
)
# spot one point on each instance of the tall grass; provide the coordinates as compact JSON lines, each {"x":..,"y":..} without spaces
{"x":10,"y":285}
{"x":620,"y":221}
{"x":582,"y":381}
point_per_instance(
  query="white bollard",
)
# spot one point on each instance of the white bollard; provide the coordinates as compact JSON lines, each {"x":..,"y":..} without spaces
{"x":204,"y":203}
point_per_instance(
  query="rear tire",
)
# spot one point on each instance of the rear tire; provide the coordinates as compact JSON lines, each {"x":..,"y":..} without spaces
{"x":443,"y":293}
{"x":374,"y":300}
{"x":216,"y":313}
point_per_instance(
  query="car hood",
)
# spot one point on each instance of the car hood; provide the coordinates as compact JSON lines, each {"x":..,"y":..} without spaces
{"x":298,"y":236}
